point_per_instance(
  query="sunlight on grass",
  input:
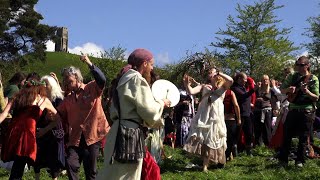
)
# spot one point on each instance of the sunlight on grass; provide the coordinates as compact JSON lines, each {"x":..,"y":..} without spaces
{"x":243,"y":167}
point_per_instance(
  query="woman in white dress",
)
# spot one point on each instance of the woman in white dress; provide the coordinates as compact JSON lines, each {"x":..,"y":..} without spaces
{"x":208,"y":133}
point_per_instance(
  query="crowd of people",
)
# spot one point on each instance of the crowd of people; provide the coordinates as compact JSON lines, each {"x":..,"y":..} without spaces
{"x":61,"y":125}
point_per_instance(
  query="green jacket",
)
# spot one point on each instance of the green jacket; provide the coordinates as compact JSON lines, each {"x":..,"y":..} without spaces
{"x":305,"y":102}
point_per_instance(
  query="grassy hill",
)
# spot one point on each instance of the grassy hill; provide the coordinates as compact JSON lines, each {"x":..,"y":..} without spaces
{"x":56,"y":61}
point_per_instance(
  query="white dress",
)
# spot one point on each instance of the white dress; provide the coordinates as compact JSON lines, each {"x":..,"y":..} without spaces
{"x":208,"y":133}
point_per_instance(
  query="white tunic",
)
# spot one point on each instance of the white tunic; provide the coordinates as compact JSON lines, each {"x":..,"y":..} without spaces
{"x":136,"y":103}
{"x":208,"y":126}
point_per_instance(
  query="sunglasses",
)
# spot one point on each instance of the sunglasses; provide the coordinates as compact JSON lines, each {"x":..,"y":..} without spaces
{"x":301,"y":65}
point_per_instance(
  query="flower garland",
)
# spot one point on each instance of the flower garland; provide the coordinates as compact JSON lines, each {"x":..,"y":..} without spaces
{"x":34,"y":83}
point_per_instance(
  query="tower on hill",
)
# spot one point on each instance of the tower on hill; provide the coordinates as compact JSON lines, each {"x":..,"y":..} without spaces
{"x":62,"y":42}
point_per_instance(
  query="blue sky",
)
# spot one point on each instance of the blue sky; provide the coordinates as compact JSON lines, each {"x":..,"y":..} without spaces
{"x":169,"y":28}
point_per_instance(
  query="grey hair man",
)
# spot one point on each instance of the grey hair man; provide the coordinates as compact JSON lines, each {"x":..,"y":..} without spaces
{"x":84,"y":119}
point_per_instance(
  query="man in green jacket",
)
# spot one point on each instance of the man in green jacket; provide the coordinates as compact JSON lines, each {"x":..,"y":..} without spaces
{"x":301,"y":109}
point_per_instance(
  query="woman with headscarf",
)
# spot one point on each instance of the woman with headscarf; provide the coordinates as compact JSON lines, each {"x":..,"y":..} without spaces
{"x":133,"y":105}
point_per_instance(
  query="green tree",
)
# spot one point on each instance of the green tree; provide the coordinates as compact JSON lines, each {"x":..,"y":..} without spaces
{"x":194,"y":64}
{"x":314,"y":34}
{"x":116,"y":53}
{"x":252,"y":42}
{"x":21,"y":32}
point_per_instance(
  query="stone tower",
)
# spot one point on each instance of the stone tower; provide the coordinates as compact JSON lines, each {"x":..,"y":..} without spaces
{"x":62,"y":43}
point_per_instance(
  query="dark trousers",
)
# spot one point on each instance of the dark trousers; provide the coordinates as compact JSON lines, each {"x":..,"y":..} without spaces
{"x":297,"y":123}
{"x":262,"y":129}
{"x":18,"y":166}
{"x":54,"y":171}
{"x":85,"y":153}
{"x":247,"y":128}
{"x":232,"y":137}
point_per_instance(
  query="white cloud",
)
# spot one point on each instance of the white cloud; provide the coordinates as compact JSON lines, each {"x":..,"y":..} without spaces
{"x":162,"y":59}
{"x":88,"y":48}
{"x":50,"y":46}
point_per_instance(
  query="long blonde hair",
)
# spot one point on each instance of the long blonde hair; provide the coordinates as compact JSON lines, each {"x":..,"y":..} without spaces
{"x":265,"y":88}
{"x":56,"y":91}
{"x":219,"y":82}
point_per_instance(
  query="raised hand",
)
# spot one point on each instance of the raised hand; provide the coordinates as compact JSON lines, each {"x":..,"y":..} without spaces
{"x":167,"y":102}
{"x":52,"y":74}
{"x":186,"y":80}
{"x":291,"y":89}
{"x":273,"y":83}
{"x":86,"y":59}
{"x":257,"y":86}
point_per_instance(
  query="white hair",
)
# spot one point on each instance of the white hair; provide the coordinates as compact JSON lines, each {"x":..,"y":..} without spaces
{"x":56,"y":91}
{"x":72,"y":71}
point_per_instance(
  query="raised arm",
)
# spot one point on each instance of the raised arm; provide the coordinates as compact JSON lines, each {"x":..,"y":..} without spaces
{"x":241,"y":93}
{"x":228,"y":80}
{"x":274,"y":87}
{"x":98,"y":75}
{"x":187,"y":81}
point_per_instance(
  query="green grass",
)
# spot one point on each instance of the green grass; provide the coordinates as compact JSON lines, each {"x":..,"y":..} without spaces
{"x":55,"y":62}
{"x":243,"y":167}
{"x":29,"y":175}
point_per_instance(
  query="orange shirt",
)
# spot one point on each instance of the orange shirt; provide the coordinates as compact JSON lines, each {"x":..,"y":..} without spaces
{"x":84,"y":115}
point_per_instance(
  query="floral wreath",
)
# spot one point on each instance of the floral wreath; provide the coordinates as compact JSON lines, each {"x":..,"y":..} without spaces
{"x":34,"y":83}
